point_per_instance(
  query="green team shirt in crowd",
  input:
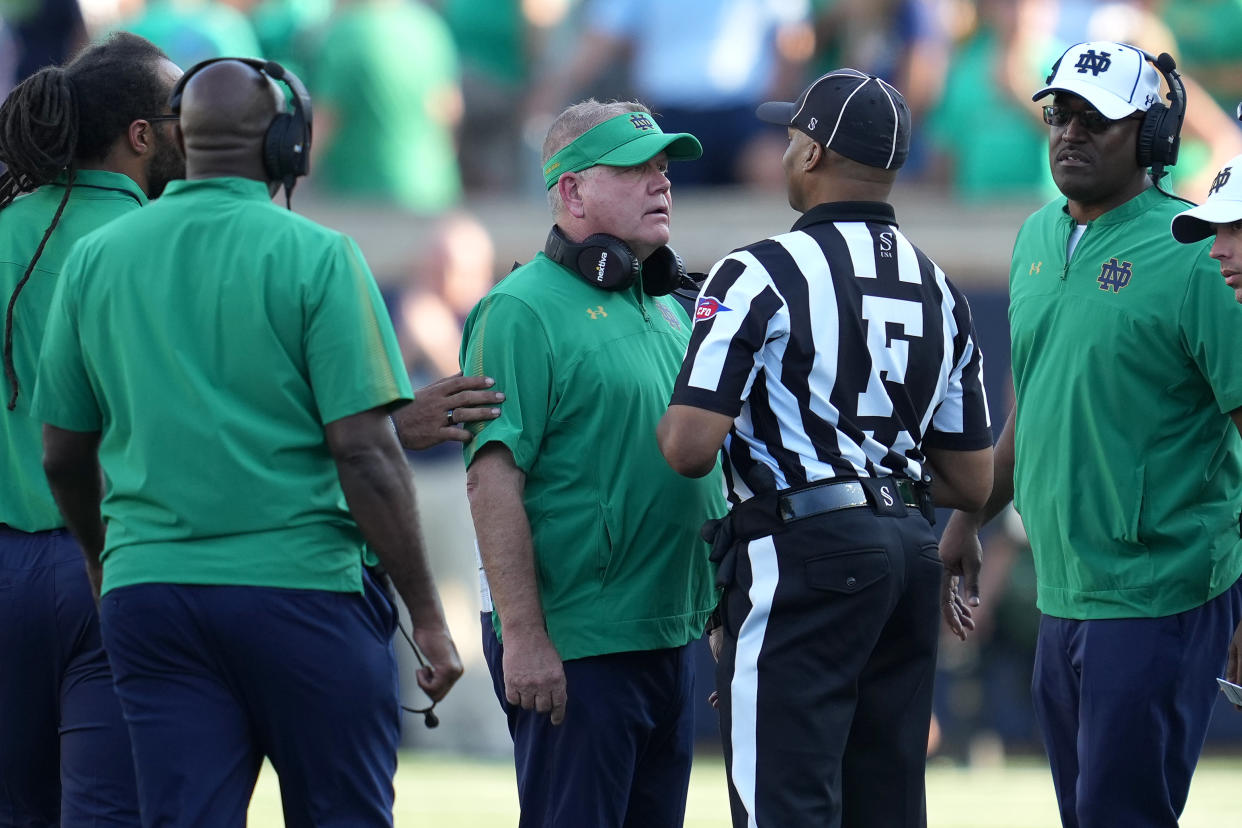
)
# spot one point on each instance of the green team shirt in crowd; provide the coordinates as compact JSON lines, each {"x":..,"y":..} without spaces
{"x":1125,"y":366}
{"x":587,"y":375}
{"x":97,"y":198}
{"x":1008,"y":157}
{"x":192,"y":32}
{"x":210,"y":337}
{"x":388,"y":73}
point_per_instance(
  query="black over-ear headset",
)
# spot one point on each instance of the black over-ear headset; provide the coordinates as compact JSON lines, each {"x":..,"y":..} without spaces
{"x":286,"y":144}
{"x":1160,"y":133}
{"x":608,"y":263}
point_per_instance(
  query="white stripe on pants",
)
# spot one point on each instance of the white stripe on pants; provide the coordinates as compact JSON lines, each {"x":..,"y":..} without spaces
{"x":745,"y":684}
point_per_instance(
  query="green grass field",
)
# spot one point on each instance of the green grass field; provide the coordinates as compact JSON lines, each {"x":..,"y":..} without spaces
{"x":450,"y":792}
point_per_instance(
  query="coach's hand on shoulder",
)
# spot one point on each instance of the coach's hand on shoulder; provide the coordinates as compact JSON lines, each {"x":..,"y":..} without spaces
{"x":443,"y":667}
{"x":439,"y":409}
{"x":534,"y":674}
{"x":962,"y":555}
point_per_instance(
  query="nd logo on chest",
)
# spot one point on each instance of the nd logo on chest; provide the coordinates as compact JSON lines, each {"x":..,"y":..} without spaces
{"x":1114,"y":274}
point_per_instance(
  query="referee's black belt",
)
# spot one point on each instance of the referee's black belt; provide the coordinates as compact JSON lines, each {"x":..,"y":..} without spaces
{"x":768,"y":512}
{"x":835,"y":495}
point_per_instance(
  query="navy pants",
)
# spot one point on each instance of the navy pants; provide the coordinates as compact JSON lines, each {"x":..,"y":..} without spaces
{"x":214,"y":678}
{"x":621,"y":758}
{"x":1124,"y":706}
{"x":64,"y":750}
{"x":825,"y":673}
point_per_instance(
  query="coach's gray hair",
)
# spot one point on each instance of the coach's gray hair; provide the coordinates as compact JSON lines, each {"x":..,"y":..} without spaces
{"x":572,"y":124}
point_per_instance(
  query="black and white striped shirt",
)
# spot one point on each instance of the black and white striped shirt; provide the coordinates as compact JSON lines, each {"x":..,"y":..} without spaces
{"x":839,"y":349}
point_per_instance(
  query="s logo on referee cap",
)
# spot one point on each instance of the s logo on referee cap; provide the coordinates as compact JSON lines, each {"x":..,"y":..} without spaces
{"x":707,"y":307}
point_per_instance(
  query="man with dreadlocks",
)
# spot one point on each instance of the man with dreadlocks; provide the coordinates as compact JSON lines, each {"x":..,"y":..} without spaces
{"x":82,"y":144}
{"x":252,"y":471}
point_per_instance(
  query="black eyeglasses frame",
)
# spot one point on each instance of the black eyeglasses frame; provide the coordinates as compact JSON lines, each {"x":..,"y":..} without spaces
{"x":1059,"y":115}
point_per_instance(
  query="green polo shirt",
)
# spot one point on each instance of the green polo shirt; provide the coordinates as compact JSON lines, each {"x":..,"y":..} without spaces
{"x":210,"y":337}
{"x":587,"y":375}
{"x":97,"y":198}
{"x":1125,"y":366}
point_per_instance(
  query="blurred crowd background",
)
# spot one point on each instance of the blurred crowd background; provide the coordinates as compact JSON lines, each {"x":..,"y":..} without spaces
{"x":424,"y":105}
{"x":428,"y":123}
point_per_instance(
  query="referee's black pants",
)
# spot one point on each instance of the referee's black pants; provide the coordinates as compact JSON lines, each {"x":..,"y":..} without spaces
{"x":825,"y":676}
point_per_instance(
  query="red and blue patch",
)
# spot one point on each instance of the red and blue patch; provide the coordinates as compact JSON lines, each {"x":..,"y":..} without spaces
{"x":708,"y":307}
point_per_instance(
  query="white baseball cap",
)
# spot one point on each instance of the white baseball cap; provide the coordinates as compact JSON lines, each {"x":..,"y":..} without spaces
{"x":1223,"y":205}
{"x":1116,"y":79}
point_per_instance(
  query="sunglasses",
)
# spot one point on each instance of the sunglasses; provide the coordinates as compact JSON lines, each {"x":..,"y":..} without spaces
{"x":1058,"y":116}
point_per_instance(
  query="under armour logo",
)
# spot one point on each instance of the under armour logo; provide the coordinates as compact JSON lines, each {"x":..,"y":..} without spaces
{"x":1221,"y":179}
{"x":1035,"y":266}
{"x":1114,"y":275}
{"x":1089,"y":61}
{"x":597,"y":311}
{"x":641,"y":121}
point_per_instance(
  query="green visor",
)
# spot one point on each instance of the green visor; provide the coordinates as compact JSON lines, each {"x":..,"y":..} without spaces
{"x":624,"y":141}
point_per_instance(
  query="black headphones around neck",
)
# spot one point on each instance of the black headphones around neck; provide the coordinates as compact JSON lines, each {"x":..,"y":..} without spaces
{"x":1160,"y":134}
{"x":286,"y":144}
{"x":608,"y":263}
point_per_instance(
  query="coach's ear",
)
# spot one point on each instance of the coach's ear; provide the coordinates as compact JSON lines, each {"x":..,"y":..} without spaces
{"x":140,"y":136}
{"x":569,"y":187}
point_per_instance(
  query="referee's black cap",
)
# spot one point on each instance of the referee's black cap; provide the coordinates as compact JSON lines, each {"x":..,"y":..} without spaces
{"x":850,"y":112}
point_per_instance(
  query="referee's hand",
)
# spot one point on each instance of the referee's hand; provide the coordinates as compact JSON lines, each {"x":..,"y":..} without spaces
{"x":438,"y":411}
{"x":534,"y":674}
{"x":962,"y":555}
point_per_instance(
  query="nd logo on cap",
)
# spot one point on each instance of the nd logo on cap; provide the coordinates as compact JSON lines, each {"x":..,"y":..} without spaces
{"x":1114,"y":78}
{"x":1223,"y":206}
{"x":1089,"y":61}
{"x":1219,"y":182}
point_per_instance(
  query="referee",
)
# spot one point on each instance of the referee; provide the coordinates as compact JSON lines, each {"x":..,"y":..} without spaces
{"x":838,"y":367}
